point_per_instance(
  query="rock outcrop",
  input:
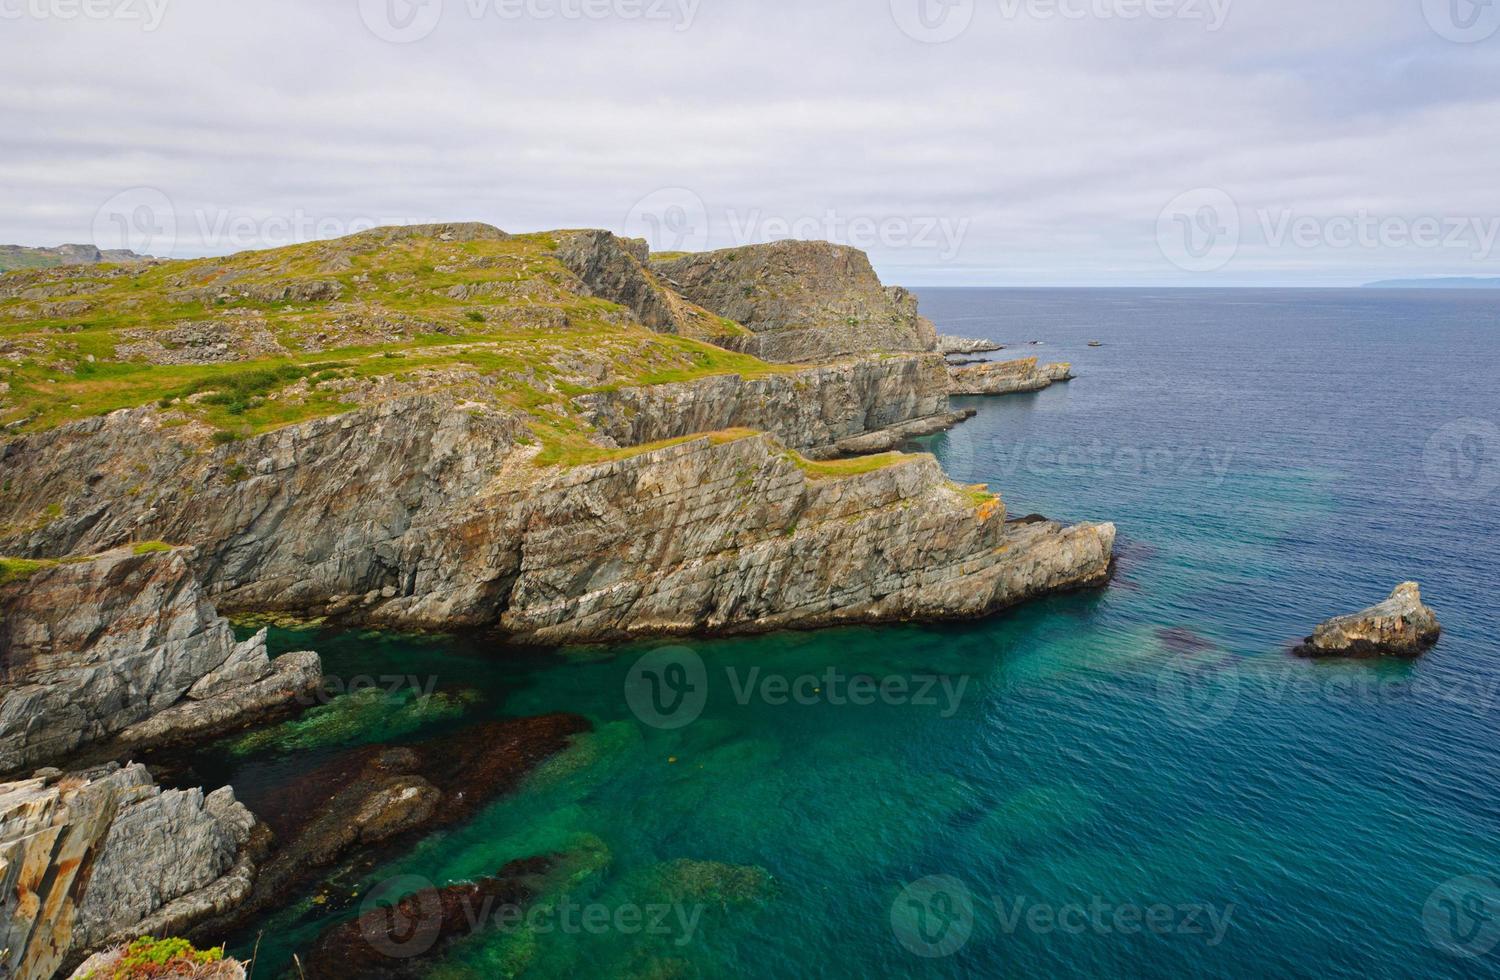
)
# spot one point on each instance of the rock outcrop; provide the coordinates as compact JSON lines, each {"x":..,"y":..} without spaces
{"x":1401,"y":626}
{"x":98,"y":858}
{"x":124,"y":646}
{"x":858,"y":406}
{"x":1006,"y":377}
{"x":803,"y":301}
{"x":950,"y":345}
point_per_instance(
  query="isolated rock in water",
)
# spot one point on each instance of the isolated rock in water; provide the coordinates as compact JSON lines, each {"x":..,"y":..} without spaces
{"x":1401,"y":626}
{"x":805,"y":301}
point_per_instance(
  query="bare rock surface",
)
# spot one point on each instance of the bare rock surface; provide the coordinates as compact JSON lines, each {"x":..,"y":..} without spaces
{"x":1401,"y":626}
{"x":97,"y":858}
{"x":125,"y":645}
{"x":804,"y":301}
{"x":951,"y":345}
{"x":1006,"y":377}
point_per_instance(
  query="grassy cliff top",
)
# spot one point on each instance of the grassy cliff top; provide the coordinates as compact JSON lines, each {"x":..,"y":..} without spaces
{"x":259,"y":340}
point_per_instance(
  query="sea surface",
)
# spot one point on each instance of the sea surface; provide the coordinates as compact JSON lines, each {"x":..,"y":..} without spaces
{"x":1138,"y":781}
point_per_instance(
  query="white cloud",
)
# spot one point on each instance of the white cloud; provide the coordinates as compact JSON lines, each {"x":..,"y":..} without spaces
{"x":1054,"y":144}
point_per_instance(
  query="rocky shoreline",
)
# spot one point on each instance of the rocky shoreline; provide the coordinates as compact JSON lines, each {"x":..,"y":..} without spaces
{"x":587,"y":453}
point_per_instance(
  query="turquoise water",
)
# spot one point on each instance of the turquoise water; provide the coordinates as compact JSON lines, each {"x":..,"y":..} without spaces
{"x":1138,"y":781}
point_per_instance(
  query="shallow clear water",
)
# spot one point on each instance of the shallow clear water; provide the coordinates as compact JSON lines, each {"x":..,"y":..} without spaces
{"x":1131,"y":782}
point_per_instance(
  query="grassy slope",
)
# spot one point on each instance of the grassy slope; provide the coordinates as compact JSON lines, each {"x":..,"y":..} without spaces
{"x":525,"y":322}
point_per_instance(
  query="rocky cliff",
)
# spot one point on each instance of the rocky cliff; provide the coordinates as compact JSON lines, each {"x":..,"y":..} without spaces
{"x":458,"y":415}
{"x":803,"y":301}
{"x":124,"y":646}
{"x":98,"y":858}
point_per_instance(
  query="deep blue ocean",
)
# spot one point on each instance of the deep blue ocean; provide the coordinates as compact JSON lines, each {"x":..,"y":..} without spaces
{"x":1134,"y":782}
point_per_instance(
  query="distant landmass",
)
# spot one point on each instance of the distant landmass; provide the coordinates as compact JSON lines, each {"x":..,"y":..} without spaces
{"x":25,"y":257}
{"x":1455,"y":282}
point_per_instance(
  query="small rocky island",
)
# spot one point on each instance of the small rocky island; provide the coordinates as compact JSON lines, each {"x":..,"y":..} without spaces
{"x":552,"y":438}
{"x":1401,"y":626}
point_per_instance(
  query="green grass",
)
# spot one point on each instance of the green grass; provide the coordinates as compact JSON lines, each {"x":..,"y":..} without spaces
{"x":834,"y":469}
{"x":151,"y":547}
{"x":16,"y":569}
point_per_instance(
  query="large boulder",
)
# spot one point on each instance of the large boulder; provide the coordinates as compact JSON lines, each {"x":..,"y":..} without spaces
{"x":1401,"y":626}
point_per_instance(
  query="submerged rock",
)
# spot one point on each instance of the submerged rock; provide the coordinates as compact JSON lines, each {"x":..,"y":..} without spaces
{"x":400,"y":939}
{"x":1401,"y":626}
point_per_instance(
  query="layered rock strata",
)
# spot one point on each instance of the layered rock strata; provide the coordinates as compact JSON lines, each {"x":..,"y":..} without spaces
{"x":124,"y":646}
{"x":98,"y":858}
{"x":416,"y":513}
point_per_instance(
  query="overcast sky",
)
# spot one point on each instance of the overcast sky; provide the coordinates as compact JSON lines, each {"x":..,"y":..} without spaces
{"x":961,"y":142}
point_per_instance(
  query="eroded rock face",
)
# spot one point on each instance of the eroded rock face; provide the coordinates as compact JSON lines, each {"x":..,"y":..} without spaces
{"x":1401,"y":626}
{"x":804,"y":301}
{"x":812,"y":410}
{"x":1006,"y":377}
{"x":416,"y":512}
{"x":101,"y":857}
{"x":125,"y":645}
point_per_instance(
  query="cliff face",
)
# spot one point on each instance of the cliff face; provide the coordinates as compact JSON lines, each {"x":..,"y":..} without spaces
{"x":417,"y":512}
{"x":125,"y":645}
{"x":804,"y":301}
{"x":103,"y":857}
{"x":815,"y":410}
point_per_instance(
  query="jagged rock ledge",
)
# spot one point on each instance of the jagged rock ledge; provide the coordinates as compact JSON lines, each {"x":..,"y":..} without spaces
{"x":1006,"y":377}
{"x":104,"y":856}
{"x":1401,"y":626}
{"x":124,"y":647}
